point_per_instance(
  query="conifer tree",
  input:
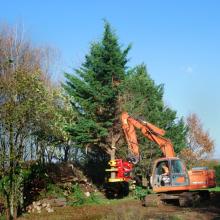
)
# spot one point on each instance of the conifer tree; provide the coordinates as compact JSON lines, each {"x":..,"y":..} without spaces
{"x":102,"y":88}
{"x":94,"y":90}
{"x":143,"y":99}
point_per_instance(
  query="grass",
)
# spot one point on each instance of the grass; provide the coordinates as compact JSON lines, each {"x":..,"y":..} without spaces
{"x":52,"y":190}
{"x":105,"y":210}
{"x":77,"y":197}
{"x":216,"y":189}
{"x":175,"y":217}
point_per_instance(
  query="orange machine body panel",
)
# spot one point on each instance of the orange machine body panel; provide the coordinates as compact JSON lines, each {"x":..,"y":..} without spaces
{"x":201,"y":177}
{"x":170,"y":189}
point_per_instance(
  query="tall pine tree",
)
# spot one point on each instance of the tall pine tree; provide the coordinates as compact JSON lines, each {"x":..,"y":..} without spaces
{"x":94,"y":89}
{"x":101,"y":89}
{"x":142,"y":98}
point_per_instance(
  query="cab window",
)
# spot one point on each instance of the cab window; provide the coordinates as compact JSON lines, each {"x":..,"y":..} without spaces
{"x":177,"y":166}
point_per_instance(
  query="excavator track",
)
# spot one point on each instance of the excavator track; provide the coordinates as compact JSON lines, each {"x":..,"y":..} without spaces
{"x":151,"y":200}
{"x":184,"y":199}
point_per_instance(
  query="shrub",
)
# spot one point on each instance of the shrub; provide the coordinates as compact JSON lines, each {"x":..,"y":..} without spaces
{"x":79,"y":198}
{"x":217,"y":172}
{"x":140,"y":192}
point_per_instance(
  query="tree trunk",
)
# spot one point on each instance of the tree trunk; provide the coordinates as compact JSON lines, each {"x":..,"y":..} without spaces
{"x":112,"y":152}
{"x":66,"y":153}
{"x":11,"y":179}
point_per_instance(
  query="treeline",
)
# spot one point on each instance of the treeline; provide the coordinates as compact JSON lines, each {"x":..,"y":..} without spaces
{"x":33,"y":113}
{"x":79,"y":120}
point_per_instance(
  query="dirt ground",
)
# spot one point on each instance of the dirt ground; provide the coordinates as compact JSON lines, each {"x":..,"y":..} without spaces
{"x":132,"y":209}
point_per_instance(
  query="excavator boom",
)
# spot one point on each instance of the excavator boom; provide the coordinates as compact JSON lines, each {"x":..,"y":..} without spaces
{"x":149,"y":130}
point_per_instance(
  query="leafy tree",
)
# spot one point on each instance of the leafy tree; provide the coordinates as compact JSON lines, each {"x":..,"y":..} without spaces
{"x":24,"y":90}
{"x":51,"y":133}
{"x":143,"y":99}
{"x":22,"y":99}
{"x":200,"y":145}
{"x":94,"y":91}
{"x":217,"y":172}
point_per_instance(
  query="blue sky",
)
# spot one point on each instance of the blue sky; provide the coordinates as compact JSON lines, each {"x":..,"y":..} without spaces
{"x":179,"y":41}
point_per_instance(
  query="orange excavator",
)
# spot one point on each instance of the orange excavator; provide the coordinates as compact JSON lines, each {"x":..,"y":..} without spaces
{"x":169,"y":178}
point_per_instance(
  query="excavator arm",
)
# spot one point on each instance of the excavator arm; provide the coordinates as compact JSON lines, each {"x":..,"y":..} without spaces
{"x":150,"y":131}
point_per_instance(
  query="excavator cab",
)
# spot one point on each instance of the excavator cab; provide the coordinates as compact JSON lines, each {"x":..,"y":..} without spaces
{"x":167,"y":173}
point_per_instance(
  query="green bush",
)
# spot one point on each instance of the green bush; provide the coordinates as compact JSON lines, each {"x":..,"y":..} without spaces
{"x":53,"y":190}
{"x":35,"y":180}
{"x":78,"y":197}
{"x":140,"y":192}
{"x":217,"y":173}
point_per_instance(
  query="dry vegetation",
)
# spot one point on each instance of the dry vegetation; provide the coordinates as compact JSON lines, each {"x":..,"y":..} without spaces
{"x":129,"y":209}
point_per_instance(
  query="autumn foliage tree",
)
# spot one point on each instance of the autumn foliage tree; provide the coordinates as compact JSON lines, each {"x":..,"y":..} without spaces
{"x":200,"y":145}
{"x":27,"y":99}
